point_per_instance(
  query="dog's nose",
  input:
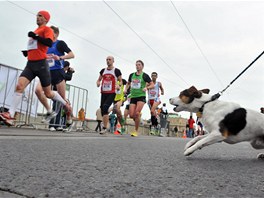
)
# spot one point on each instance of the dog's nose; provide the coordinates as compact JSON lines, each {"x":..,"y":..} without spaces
{"x":174,"y":109}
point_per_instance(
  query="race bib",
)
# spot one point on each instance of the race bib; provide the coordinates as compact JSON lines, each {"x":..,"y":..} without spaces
{"x":136,"y":84}
{"x":152,"y":93}
{"x":32,"y":44}
{"x":50,"y":60}
{"x":118,"y":91}
{"x":107,"y":86}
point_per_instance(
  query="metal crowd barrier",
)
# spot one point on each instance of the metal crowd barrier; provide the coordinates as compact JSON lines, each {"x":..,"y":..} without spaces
{"x":31,"y":112}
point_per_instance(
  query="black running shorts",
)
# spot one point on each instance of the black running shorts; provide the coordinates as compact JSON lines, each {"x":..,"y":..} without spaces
{"x":135,"y":100}
{"x":57,"y":76}
{"x":38,"y":68}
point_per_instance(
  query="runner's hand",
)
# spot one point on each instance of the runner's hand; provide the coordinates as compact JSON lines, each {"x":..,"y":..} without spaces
{"x":25,"y":53}
{"x":32,"y":35}
{"x":55,"y":57}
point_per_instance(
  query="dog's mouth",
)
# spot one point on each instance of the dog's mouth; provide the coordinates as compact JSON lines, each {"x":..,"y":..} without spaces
{"x":175,"y":108}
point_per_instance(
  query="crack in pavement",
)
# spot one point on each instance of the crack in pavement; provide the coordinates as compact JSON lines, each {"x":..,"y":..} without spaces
{"x":7,"y":190}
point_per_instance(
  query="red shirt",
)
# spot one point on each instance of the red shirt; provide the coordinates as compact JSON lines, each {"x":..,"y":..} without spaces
{"x":36,"y":50}
{"x":191,"y":122}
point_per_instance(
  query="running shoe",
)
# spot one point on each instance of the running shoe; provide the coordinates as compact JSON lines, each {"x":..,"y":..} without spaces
{"x":79,"y":129}
{"x":52,"y":129}
{"x":69,"y":126}
{"x":123,"y":130}
{"x":152,"y":132}
{"x":134,"y":134}
{"x":104,"y":131}
{"x":6,"y":117}
{"x":122,"y":121}
{"x":49,"y":116}
{"x":59,"y":129}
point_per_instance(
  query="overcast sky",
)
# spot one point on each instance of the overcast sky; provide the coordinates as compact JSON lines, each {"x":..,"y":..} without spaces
{"x":208,"y":46}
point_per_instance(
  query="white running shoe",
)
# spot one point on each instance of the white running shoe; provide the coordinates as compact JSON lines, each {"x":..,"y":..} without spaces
{"x":52,"y":129}
{"x":104,"y":131}
{"x":59,"y":129}
{"x":69,"y":126}
{"x":49,"y":116}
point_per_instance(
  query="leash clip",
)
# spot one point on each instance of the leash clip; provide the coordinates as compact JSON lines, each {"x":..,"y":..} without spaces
{"x":216,"y":96}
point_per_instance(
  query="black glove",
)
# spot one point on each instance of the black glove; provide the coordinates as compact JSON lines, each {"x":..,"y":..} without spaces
{"x":32,"y":35}
{"x":25,"y":53}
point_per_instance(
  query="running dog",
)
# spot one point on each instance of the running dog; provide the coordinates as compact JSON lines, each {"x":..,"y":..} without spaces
{"x":224,"y":121}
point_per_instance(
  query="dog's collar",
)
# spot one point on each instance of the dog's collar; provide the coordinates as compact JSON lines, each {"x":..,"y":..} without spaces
{"x":213,"y":98}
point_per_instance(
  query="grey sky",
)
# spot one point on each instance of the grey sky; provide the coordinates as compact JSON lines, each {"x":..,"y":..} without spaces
{"x":230,"y":35}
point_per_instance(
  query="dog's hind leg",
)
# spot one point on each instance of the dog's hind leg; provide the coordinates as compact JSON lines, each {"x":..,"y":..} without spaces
{"x":211,"y":138}
{"x":258,"y":143}
{"x":193,"y":141}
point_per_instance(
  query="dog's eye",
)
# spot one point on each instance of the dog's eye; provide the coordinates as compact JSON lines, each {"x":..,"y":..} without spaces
{"x":184,"y":99}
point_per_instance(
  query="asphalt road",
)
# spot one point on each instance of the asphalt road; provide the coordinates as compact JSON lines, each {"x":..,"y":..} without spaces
{"x":37,"y":163}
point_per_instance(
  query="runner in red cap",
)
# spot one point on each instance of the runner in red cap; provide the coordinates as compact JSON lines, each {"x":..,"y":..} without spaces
{"x":36,"y":52}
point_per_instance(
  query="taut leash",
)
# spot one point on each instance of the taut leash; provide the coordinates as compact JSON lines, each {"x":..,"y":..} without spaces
{"x":216,"y":96}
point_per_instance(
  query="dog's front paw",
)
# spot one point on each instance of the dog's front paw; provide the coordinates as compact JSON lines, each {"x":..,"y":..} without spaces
{"x":260,"y":156}
{"x":188,"y":152}
{"x":189,"y":144}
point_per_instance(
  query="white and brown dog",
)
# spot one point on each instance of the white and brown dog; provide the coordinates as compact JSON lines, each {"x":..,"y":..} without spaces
{"x":224,"y":121}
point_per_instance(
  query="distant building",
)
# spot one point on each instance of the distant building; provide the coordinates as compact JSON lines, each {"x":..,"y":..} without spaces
{"x":176,"y":120}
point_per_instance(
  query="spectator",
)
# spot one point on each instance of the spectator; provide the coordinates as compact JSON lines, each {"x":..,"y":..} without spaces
{"x":99,"y":119}
{"x":191,"y":122}
{"x":81,"y":119}
{"x":163,"y":119}
{"x":68,"y":71}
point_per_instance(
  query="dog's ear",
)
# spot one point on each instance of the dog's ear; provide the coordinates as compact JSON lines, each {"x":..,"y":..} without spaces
{"x":194,"y":92}
{"x":205,"y":91}
{"x":192,"y":89}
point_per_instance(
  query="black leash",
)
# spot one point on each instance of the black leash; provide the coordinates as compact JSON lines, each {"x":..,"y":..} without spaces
{"x":242,"y":72}
{"x":216,"y":96}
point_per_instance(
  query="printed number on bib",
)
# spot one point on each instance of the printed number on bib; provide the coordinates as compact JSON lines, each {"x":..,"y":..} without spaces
{"x":50,"y":60}
{"x":32,"y":44}
{"x":107,"y":86}
{"x":136,"y":84}
{"x":152,"y":93}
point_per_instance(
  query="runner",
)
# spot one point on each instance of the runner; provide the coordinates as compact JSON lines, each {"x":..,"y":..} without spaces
{"x":56,"y":56}
{"x":139,"y":82}
{"x":154,"y":100}
{"x":38,"y":44}
{"x":127,"y":99}
{"x":118,"y":102}
{"x":109,"y":77}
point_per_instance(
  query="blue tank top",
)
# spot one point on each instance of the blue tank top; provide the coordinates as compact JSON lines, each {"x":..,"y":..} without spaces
{"x":58,"y":64}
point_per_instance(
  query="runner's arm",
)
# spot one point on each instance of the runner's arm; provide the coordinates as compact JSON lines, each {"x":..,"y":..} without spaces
{"x":127,"y":87}
{"x":98,"y":82}
{"x":161,"y":88}
{"x":44,"y":41}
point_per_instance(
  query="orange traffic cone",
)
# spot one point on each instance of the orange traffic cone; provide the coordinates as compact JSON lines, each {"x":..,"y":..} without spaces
{"x":184,"y":134}
{"x":116,"y":132}
{"x":118,"y":129}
